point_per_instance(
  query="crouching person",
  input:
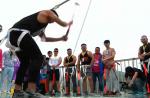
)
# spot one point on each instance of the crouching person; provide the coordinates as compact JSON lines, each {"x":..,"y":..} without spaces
{"x":135,"y":79}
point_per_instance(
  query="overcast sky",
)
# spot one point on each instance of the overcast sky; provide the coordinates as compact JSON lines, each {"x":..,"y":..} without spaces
{"x":123,"y":22}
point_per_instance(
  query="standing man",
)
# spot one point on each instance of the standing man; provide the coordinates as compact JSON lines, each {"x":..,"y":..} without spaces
{"x":85,"y":61}
{"x":112,"y":83}
{"x":144,"y":56}
{"x":55,"y":62}
{"x":69,"y":63}
{"x":20,"y":38}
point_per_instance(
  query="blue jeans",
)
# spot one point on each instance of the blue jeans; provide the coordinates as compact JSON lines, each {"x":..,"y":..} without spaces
{"x":97,"y":75}
{"x":138,"y":86}
{"x":6,"y":78}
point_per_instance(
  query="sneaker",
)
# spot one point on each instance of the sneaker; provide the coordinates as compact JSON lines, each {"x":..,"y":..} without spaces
{"x":20,"y":94}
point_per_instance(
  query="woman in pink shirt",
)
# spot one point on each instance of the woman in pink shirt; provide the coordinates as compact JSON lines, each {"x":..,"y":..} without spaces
{"x":97,"y":70}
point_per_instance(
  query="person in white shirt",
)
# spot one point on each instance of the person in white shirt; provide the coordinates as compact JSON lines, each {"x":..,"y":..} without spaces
{"x":54,"y":63}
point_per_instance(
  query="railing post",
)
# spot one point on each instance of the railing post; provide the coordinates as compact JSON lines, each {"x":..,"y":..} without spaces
{"x":133,"y":61}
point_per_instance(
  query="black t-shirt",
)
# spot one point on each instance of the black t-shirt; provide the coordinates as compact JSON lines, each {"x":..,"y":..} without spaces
{"x":85,"y":59}
{"x":68,"y":60}
{"x":32,"y":24}
{"x":140,"y":74}
{"x":145,"y":49}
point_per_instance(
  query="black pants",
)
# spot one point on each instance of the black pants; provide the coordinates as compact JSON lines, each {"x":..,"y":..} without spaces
{"x":57,"y":74}
{"x":73,"y":78}
{"x":29,"y":55}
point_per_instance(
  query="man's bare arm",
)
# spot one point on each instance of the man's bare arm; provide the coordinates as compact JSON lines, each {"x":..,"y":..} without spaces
{"x":91,"y":55}
{"x":74,"y":60}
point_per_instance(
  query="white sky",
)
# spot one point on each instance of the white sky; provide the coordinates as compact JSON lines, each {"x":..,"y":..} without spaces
{"x":123,"y":22}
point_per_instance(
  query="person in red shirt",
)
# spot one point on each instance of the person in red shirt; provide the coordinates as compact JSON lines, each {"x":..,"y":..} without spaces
{"x":97,"y":70}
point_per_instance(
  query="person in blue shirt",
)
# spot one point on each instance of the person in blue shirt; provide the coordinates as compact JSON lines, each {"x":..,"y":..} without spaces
{"x":9,"y":61}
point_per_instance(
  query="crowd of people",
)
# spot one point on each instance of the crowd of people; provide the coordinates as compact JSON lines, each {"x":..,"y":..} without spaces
{"x":31,"y":72}
{"x":63,"y":75}
{"x":59,"y":75}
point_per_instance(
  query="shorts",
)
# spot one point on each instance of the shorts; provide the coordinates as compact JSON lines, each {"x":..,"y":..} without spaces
{"x":86,"y":71}
{"x":57,"y":74}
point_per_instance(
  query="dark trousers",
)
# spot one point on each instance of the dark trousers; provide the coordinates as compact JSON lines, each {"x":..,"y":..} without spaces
{"x":29,"y":55}
{"x":73,"y":78}
{"x":96,"y":75}
{"x":138,"y":86}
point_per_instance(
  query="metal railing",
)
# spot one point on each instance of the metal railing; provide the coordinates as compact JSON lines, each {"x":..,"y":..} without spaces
{"x":123,"y":63}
